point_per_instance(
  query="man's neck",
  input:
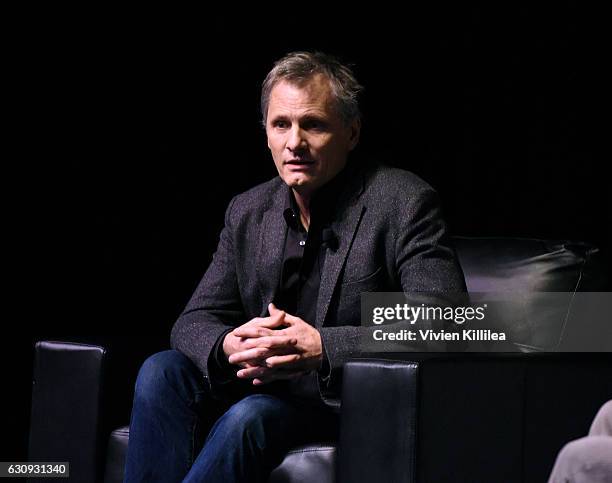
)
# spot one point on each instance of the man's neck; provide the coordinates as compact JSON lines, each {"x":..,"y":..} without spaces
{"x":303,"y":202}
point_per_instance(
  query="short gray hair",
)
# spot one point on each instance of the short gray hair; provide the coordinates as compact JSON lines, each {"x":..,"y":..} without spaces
{"x":299,"y":67}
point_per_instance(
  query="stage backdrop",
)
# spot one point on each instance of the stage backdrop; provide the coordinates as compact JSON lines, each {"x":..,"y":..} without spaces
{"x":139,"y":127}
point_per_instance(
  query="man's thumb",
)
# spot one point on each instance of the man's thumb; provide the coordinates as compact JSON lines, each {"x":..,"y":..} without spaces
{"x":276,"y":313}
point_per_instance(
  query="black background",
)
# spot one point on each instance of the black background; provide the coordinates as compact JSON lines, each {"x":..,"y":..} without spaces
{"x":132,"y":131}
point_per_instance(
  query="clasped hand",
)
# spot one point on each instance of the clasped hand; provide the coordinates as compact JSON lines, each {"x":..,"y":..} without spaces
{"x":267,"y":353}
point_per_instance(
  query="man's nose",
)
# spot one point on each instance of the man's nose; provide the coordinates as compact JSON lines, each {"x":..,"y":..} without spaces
{"x":296,"y":140}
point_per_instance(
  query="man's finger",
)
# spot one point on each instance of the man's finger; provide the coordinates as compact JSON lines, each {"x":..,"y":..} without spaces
{"x":292,"y":319}
{"x":288,"y":318}
{"x":252,"y":331}
{"x":271,"y":342}
{"x":273,"y":309}
{"x":265,"y":373}
{"x":279,"y":361}
{"x":249,"y":355}
{"x":251,"y":372}
{"x":276,"y":318}
{"x":256,"y":350}
{"x":272,"y":322}
{"x":276,"y":376}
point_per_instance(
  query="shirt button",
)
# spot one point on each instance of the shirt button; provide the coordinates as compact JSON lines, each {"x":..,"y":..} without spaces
{"x":302,"y":243}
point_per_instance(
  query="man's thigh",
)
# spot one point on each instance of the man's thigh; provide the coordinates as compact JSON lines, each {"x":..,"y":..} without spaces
{"x":292,"y":422}
{"x":252,"y":437}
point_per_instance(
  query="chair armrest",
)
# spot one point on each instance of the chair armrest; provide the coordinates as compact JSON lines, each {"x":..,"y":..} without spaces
{"x":472,"y":417}
{"x":66,"y":405}
{"x":378,"y":421}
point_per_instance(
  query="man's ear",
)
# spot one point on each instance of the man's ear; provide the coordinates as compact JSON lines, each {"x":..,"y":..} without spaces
{"x":355,"y":132}
{"x":268,"y":139}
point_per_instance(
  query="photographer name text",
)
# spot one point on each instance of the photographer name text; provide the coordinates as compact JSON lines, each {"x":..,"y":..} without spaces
{"x":442,"y":335}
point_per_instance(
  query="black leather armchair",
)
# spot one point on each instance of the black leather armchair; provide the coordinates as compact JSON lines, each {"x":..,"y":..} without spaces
{"x":405,"y":417}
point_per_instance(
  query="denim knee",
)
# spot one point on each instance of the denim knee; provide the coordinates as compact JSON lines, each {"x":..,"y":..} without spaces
{"x":164,"y":372}
{"x":254,"y":414}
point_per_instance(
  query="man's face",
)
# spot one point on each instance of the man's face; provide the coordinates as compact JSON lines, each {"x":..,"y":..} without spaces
{"x":308,"y":139}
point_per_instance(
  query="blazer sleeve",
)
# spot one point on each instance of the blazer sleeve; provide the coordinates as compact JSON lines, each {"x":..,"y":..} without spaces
{"x":425,"y":262}
{"x":214,"y":309}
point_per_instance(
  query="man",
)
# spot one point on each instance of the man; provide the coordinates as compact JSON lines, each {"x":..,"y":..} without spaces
{"x":277,"y":313}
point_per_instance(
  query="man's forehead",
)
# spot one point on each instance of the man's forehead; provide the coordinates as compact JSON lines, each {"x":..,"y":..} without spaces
{"x":317,"y":85}
{"x":313,"y":92}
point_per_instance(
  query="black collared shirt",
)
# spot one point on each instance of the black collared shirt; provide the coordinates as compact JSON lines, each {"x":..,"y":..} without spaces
{"x":305,"y":251}
{"x":300,"y":279}
{"x":303,"y":260}
{"x":298,"y":291}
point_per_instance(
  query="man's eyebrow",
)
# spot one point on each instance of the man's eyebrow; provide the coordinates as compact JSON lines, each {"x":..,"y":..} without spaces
{"x":312,"y":117}
{"x":279,"y":117}
{"x":303,"y":119}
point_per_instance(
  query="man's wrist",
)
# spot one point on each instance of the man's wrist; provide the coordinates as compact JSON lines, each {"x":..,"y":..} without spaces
{"x":224,"y":345}
{"x":221,"y":353}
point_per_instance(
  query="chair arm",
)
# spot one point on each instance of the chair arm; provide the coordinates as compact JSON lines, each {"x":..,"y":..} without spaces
{"x":66,"y":405}
{"x":449,"y":417}
{"x":378,"y":421}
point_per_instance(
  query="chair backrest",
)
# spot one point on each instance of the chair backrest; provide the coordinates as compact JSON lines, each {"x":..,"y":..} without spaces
{"x":536,"y":280}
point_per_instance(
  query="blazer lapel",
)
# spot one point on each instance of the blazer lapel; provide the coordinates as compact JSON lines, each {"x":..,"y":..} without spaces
{"x":273,"y":231}
{"x":344,"y":229}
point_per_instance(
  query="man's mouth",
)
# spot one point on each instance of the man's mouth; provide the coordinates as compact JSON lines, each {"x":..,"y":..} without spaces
{"x":299,"y":162}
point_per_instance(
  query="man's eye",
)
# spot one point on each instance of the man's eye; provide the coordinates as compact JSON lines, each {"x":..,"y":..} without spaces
{"x":281,"y":124}
{"x":315,"y":125}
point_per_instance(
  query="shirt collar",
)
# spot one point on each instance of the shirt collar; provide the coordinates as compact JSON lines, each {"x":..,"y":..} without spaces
{"x":323,"y":200}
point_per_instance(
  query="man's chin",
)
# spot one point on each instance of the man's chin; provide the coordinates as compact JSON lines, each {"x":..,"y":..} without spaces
{"x":299,"y":181}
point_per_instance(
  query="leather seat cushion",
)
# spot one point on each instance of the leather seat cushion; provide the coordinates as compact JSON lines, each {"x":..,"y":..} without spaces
{"x":311,"y":463}
{"x":531,"y":283}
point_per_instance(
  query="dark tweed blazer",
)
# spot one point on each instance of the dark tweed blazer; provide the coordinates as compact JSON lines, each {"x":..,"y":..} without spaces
{"x":390,"y":237}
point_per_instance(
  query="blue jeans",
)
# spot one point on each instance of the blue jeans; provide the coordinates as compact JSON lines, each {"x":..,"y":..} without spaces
{"x":178,"y":432}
